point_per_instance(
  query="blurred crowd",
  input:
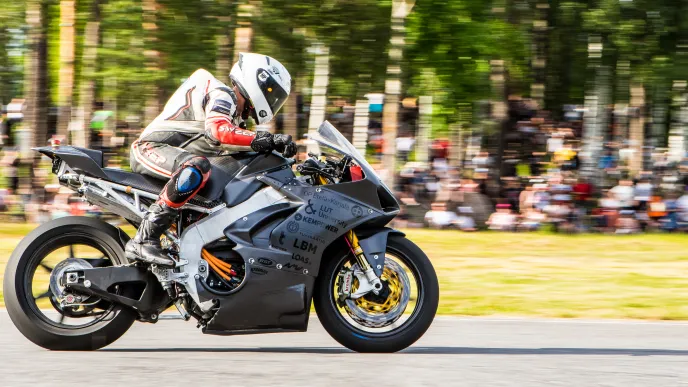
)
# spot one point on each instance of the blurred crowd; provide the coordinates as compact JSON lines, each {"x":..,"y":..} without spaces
{"x":543,"y":186}
{"x":538,"y":183}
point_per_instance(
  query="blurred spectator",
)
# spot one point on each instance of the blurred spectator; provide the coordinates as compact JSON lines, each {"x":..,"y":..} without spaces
{"x":582,"y":192}
{"x":624,"y":193}
{"x":404,"y":147}
{"x":465,"y":220}
{"x":503,"y":219}
{"x":532,"y":219}
{"x":440,"y":217}
{"x":626,"y":223}
{"x":643,"y":193}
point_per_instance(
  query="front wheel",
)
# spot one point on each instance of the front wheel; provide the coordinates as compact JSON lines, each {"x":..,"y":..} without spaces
{"x":390,"y":321}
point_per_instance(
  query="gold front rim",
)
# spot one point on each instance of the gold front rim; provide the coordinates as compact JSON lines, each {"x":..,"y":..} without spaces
{"x":392,"y":300}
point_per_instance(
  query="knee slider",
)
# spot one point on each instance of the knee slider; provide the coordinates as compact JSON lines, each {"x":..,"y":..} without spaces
{"x":189,"y":179}
{"x":201,"y":163}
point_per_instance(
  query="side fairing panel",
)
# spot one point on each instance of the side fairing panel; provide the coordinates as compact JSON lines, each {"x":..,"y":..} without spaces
{"x":282,"y":244}
{"x":323,"y":217}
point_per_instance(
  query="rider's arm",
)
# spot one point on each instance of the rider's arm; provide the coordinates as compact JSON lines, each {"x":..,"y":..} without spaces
{"x":219,"y":105}
{"x":220,"y":130}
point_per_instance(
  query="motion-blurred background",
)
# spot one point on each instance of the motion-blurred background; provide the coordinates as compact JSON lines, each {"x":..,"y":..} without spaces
{"x":503,"y":114}
{"x":566,"y":117}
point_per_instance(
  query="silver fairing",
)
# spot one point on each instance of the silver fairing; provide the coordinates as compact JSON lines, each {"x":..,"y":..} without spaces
{"x":211,"y":229}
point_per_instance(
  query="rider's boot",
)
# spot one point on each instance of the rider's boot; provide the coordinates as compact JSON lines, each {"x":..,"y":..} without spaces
{"x":146,"y":246}
{"x":184,"y":184}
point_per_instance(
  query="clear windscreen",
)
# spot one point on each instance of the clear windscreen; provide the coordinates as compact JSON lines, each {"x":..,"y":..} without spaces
{"x":327,"y":136}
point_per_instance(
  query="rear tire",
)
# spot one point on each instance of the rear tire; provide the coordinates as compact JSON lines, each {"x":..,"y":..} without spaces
{"x":397,"y":339}
{"x":19,"y":300}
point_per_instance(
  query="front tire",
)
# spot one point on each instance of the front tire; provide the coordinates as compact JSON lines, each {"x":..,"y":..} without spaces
{"x":387,"y":340}
{"x":21,"y":303}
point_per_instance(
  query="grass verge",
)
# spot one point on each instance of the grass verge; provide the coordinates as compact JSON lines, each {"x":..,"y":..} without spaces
{"x":639,"y":277}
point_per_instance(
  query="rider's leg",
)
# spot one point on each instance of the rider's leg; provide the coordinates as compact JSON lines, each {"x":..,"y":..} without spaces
{"x":184,"y":184}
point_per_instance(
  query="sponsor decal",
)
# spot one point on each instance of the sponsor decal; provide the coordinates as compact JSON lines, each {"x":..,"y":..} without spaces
{"x":338,"y":222}
{"x":292,"y":227}
{"x":293,"y":266}
{"x":298,"y":216}
{"x":332,"y":228}
{"x":357,"y":211}
{"x":281,"y":237}
{"x":313,"y":238}
{"x":305,"y":246}
{"x":347,"y":281}
{"x":328,"y":199}
{"x":265,"y":261}
{"x":313,"y":221}
{"x":258,"y":271}
{"x":309,"y":208}
{"x":301,"y":258}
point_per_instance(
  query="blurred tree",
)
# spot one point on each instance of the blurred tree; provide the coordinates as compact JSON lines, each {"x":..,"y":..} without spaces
{"x":87,"y":82}
{"x":226,"y":19}
{"x":153,"y":57}
{"x":390,"y":113}
{"x":35,"y":127}
{"x":66,"y":70}
{"x":10,"y":70}
{"x":457,"y":39}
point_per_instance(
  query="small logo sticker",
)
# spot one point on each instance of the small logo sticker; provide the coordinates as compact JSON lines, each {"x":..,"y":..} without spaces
{"x":292,"y":227}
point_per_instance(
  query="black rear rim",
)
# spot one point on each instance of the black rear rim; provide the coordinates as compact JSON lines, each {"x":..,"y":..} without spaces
{"x":397,"y":326}
{"x":39,"y":296}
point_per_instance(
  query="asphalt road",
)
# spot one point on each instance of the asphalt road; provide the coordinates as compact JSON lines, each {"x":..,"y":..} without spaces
{"x":455,"y":351}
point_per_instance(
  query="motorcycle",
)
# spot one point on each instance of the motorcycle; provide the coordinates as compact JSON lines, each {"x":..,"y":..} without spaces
{"x":252,"y":251}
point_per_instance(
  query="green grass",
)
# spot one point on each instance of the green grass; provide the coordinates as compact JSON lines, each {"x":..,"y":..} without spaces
{"x":640,"y":277}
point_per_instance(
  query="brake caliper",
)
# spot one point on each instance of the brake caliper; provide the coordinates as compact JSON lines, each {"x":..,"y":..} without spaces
{"x":346,"y":284}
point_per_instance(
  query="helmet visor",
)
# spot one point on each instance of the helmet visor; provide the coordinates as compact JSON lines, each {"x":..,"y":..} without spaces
{"x":274,"y":93}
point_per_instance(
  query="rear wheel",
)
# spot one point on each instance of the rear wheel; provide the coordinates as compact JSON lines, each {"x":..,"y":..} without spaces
{"x":36,"y":299}
{"x":390,"y":321}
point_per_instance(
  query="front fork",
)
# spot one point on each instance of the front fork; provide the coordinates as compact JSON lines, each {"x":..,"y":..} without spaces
{"x":352,"y":241}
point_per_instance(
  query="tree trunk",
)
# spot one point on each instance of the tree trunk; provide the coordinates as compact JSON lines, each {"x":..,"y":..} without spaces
{"x":499,"y":113}
{"x":87,"y":92}
{"x":637,"y":126}
{"x":35,"y":131}
{"x":152,"y":55}
{"x":243,"y":34}
{"x":593,"y":120}
{"x":224,"y":42}
{"x":537,"y":89}
{"x":319,"y":94}
{"x":291,"y":116}
{"x":361,"y":121}
{"x":390,"y":111}
{"x":424,"y":128}
{"x":222,"y":63}
{"x":66,"y":74}
{"x":679,"y":121}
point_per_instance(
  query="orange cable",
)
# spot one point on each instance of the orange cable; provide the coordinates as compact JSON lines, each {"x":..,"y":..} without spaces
{"x":217,"y":260}
{"x":217,"y":270}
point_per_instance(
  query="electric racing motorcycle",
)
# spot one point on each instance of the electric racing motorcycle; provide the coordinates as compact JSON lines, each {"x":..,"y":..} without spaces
{"x":252,"y":251}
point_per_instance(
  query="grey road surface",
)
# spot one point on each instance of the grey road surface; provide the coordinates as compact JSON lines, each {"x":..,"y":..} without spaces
{"x":455,"y":351}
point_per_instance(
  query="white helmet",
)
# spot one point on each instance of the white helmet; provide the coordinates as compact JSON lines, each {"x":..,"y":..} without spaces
{"x":264,"y":82}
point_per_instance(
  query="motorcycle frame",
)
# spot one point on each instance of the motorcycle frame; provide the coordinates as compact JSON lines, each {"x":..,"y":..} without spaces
{"x":277,"y":290}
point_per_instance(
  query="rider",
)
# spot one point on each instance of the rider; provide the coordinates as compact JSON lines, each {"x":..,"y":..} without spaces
{"x":204,"y":105}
